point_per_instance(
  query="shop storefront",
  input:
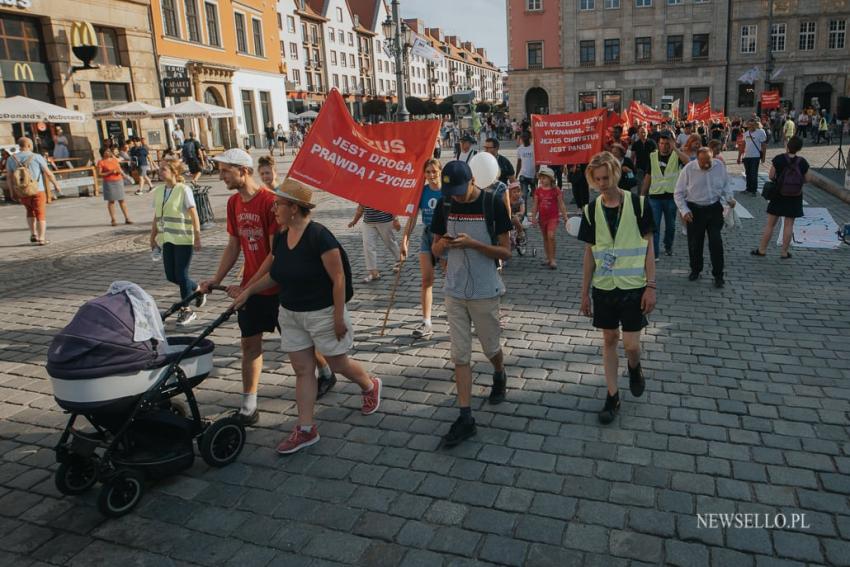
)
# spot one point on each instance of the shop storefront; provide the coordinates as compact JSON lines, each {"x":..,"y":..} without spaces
{"x":37,"y":60}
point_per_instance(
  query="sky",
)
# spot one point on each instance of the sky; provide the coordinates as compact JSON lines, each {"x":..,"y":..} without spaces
{"x":483,"y":22}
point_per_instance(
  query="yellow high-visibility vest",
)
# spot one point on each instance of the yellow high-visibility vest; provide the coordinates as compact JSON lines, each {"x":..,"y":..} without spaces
{"x":173,"y":224}
{"x":628,"y":248}
{"x":663,"y":182}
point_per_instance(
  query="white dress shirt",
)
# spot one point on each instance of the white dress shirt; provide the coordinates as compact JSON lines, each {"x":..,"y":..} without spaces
{"x":702,"y":187}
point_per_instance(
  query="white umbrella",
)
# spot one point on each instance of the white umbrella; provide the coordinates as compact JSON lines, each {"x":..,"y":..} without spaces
{"x":23,"y":109}
{"x":128,"y":110}
{"x":193,"y":109}
{"x":308,"y":114}
{"x":293,"y":116}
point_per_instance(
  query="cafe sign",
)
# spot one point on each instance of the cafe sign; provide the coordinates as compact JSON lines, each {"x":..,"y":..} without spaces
{"x":177,"y":86}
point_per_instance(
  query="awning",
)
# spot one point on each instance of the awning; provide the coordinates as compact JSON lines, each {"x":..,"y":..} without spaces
{"x":127,"y":111}
{"x":192,"y":109}
{"x":23,"y":109}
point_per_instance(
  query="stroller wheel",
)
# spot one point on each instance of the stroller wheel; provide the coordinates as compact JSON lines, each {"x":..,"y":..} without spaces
{"x":121,"y":493}
{"x":222,"y":441}
{"x":77,"y":475}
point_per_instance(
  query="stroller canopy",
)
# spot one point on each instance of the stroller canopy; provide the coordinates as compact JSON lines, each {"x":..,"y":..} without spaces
{"x":99,"y":342}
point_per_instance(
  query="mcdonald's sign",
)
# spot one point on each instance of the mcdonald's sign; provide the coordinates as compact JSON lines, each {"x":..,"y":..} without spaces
{"x":23,"y":72}
{"x":84,"y":42}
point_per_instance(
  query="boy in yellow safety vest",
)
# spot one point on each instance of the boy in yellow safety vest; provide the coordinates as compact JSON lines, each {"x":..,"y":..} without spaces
{"x":618,"y":273}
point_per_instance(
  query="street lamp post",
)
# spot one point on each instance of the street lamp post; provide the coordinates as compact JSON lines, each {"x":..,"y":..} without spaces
{"x":396,"y":30}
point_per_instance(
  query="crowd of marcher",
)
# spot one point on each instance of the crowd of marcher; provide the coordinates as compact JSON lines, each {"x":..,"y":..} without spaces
{"x":296,"y":277}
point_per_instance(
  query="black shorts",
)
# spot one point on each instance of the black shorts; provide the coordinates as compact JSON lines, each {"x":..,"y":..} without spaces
{"x":259,"y":315}
{"x":194,"y":166}
{"x":618,"y":307}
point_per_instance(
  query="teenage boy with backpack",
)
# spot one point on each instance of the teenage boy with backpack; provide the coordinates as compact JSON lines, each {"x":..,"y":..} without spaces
{"x":25,"y":175}
{"x":474,"y":227}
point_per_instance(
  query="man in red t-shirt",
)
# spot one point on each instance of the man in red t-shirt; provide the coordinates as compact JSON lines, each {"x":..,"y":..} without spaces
{"x":251,"y":227}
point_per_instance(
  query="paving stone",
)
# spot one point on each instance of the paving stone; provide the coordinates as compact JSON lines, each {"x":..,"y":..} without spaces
{"x":381,"y":554}
{"x":586,"y":537}
{"x":552,"y":506}
{"x":491,"y":521}
{"x":797,"y":546}
{"x":455,"y":540}
{"x":337,"y":546}
{"x":609,"y":515}
{"x":378,"y":526}
{"x":541,"y":555}
{"x":539,"y":529}
{"x":652,"y":522}
{"x":686,"y":554}
{"x":447,"y":513}
{"x":636,"y":546}
{"x":503,"y":550}
{"x":416,"y":534}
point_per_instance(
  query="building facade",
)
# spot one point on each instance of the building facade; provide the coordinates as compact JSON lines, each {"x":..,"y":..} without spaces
{"x":36,"y":61}
{"x":229,"y":55}
{"x":808,"y":60}
{"x":574,"y":55}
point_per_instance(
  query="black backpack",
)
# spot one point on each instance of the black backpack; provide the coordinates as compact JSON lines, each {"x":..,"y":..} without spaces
{"x":314,"y":229}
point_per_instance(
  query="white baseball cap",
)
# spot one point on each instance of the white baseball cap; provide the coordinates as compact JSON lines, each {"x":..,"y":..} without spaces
{"x":235,"y":156}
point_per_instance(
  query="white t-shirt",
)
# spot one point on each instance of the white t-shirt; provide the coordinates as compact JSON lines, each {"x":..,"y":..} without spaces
{"x":178,"y":137}
{"x":753,"y":141}
{"x":681,"y":139}
{"x":526,"y":155}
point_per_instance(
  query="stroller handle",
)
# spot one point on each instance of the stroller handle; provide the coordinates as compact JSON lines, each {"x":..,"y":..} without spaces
{"x":181,"y":304}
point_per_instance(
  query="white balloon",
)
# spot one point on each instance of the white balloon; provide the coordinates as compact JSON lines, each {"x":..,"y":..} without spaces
{"x":573,"y":224}
{"x":485,"y":169}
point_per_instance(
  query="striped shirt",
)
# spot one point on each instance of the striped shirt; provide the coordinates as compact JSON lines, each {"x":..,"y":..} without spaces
{"x":374,"y":216}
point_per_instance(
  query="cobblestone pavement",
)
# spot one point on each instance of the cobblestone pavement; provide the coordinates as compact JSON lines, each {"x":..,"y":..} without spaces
{"x":746,"y":411}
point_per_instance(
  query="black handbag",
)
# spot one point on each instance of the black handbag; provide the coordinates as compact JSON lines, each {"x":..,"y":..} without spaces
{"x":770,"y":190}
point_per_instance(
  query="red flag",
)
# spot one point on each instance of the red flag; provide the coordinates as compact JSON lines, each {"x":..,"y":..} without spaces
{"x":691,"y":110}
{"x":718,"y":115}
{"x":770,"y":99}
{"x":644,"y":113}
{"x":379,"y":166}
{"x":702,"y":110}
{"x":561,"y":139}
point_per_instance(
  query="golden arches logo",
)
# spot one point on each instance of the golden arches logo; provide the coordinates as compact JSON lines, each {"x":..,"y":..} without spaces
{"x":23,"y":72}
{"x":83,"y":34}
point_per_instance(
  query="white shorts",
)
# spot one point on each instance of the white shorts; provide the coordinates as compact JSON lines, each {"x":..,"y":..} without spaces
{"x":300,"y":330}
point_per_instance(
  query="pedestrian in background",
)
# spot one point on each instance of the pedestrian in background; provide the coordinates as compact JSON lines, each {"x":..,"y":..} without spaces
{"x":701,"y":191}
{"x":789,"y":171}
{"x":176,"y":232}
{"x":36,"y":203}
{"x":377,"y":225}
{"x":755,"y":151}
{"x":109,"y":170}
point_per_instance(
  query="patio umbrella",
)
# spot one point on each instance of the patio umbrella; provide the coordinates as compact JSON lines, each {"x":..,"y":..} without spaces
{"x":128,"y":110}
{"x":308,"y":115}
{"x":192,"y":109}
{"x":23,"y":109}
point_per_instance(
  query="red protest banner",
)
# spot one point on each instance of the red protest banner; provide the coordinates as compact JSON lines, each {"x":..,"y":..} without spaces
{"x":691,"y":110}
{"x":770,"y":99}
{"x":379,"y":166}
{"x":643,"y":113}
{"x":718,"y":115}
{"x":702,"y":110}
{"x":561,"y":139}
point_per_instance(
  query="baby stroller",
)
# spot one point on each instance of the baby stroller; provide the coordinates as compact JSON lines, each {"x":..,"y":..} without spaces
{"x":125,"y":391}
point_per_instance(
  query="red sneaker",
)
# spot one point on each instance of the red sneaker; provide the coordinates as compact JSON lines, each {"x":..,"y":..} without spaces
{"x":372,"y":398}
{"x":298,"y":440}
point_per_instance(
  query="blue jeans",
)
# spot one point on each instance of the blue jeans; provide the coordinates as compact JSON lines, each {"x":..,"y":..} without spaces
{"x":667,"y":207}
{"x":527,"y":185}
{"x":176,"y":259}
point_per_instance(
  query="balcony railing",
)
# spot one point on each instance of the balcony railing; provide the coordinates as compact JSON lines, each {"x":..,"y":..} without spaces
{"x":590,"y":63}
{"x":612,"y":61}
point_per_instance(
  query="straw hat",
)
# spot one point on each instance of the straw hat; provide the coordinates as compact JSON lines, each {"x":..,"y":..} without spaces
{"x":296,"y":192}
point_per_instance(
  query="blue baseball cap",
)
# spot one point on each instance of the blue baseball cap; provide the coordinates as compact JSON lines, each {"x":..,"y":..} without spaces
{"x":456,"y":178}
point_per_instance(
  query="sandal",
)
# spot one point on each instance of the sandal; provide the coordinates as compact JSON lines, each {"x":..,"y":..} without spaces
{"x":43,"y":242}
{"x":114,"y":223}
{"x":33,"y":239}
{"x":755,"y":252}
{"x":128,"y":221}
{"x":371,"y":278}
{"x":787,"y":256}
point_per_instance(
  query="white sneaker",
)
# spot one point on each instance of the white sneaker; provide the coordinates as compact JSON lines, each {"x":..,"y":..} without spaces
{"x":423,"y":331}
{"x":186,"y":316}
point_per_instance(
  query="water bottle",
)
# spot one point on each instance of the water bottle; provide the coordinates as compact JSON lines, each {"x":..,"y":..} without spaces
{"x":156,"y":254}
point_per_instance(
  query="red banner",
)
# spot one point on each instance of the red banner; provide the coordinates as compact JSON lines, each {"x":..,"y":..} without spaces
{"x":691,"y":109}
{"x":718,"y":115}
{"x":643,"y":113}
{"x":561,"y":139}
{"x":770,"y":99}
{"x":379,"y":166}
{"x":702,"y":110}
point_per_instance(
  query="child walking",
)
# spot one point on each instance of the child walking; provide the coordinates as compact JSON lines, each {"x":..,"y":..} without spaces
{"x":548,"y":208}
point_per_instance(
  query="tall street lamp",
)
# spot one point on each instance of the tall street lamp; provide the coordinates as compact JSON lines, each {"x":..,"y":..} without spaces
{"x":402,"y":39}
